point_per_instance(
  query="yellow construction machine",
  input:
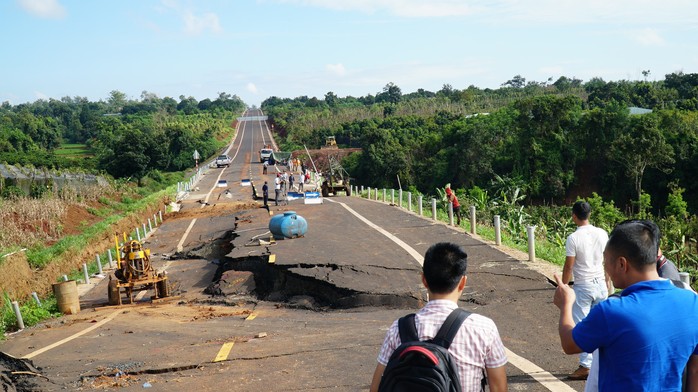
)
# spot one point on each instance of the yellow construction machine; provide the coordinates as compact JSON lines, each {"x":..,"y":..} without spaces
{"x":135,"y":272}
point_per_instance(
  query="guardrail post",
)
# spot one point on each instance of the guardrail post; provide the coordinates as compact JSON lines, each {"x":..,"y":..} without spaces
{"x":99,"y":265}
{"x":399,"y":193}
{"x":473,"y":220}
{"x":160,"y":212}
{"x":421,"y":211}
{"x":18,"y":314}
{"x":111,"y":259}
{"x":497,"y":231}
{"x":65,"y":278}
{"x":362,"y":189}
{"x":369,"y":193}
{"x":150,"y":225}
{"x":392,"y":196}
{"x":450,"y":213}
{"x":531,"y":242}
{"x":36,"y":298}
{"x":685,"y":277}
{"x":433,"y":209}
{"x":85,"y":273}
{"x":144,"y":231}
{"x":409,"y":201}
{"x":384,"y":198}
{"x":138,"y":234}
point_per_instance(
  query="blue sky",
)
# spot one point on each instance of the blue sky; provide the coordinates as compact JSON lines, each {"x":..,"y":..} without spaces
{"x":289,"y":48}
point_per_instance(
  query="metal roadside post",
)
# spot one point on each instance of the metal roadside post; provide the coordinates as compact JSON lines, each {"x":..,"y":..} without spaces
{"x":160,"y":212}
{"x":18,"y":314}
{"x":150,"y":225}
{"x":99,"y":266}
{"x":138,"y":234}
{"x":392,"y":196}
{"x":409,"y":201}
{"x":421,"y":212}
{"x":685,"y":277}
{"x":85,"y":273}
{"x":384,"y":192}
{"x":400,"y":196}
{"x":144,"y":231}
{"x":369,"y":193}
{"x":531,"y":242}
{"x":111,"y":259}
{"x":36,"y":298}
{"x":497,"y":231}
{"x":433,"y":209}
{"x":450,"y":213}
{"x":473,"y":220}
{"x":362,"y":189}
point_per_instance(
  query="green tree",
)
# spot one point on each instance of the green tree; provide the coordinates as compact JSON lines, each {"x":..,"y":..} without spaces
{"x":641,"y":145}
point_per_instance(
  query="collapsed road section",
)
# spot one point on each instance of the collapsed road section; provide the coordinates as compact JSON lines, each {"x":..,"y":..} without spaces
{"x":305,"y":284}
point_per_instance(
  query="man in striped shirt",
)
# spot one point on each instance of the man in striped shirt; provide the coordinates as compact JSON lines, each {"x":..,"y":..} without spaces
{"x":477,"y":349}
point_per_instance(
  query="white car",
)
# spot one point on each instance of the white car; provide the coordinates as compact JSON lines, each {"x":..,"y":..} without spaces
{"x":223,"y":160}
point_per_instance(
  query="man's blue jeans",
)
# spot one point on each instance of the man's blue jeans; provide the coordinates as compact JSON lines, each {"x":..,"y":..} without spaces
{"x":589,"y":293}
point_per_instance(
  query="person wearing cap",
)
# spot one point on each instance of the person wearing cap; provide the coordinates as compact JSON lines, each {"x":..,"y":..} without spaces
{"x":451,"y":197}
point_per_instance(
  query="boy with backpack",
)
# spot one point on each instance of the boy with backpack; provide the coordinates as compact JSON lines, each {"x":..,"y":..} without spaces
{"x":453,"y":358}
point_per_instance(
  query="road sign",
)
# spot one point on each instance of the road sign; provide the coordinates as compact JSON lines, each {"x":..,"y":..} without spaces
{"x":196,"y":155}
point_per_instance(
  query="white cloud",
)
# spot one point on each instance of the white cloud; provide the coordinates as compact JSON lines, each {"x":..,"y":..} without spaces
{"x":406,"y":8}
{"x":647,"y":37}
{"x":252,"y":88}
{"x":49,"y":9}
{"x":336,"y":69}
{"x":194,"y":24}
{"x":623,"y":12}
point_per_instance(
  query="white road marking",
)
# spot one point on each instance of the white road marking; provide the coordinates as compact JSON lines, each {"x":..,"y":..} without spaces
{"x":537,"y":373}
{"x":76,"y":335}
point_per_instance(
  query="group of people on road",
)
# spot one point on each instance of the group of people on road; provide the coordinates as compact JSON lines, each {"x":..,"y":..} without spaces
{"x":644,"y":338}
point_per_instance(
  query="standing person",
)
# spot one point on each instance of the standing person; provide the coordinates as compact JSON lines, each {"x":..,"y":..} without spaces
{"x":300,"y":182}
{"x":290,"y":182}
{"x":265,"y":194}
{"x":649,"y":334}
{"x":477,"y":346}
{"x":277,"y":189}
{"x":451,"y":197}
{"x":265,"y":167}
{"x":584,"y":251}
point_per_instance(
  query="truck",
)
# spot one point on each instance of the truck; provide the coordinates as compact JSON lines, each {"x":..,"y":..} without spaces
{"x":265,"y":154}
{"x":223,"y":160}
{"x":335,"y":179}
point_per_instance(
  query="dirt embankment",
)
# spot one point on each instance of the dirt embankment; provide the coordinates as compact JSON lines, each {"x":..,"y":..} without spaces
{"x":19,"y":279}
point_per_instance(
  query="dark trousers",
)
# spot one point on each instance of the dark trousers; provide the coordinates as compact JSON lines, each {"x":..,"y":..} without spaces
{"x":266,"y":198}
{"x":277,"y":196}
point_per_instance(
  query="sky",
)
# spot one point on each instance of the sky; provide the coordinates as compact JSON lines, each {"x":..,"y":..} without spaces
{"x":289,"y":48}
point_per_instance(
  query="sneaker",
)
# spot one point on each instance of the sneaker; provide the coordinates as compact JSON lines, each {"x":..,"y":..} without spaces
{"x":580,"y":374}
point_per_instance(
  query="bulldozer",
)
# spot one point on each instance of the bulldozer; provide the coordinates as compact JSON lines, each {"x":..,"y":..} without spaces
{"x":335,"y":179}
{"x":135,"y":272}
{"x":330,"y":143}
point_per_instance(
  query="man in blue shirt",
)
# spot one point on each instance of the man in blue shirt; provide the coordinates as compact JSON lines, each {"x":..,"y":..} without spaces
{"x":648,"y":336}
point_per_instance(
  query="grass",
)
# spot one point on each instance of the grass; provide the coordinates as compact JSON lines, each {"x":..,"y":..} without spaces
{"x":32,"y":313}
{"x":73,"y":150}
{"x":544,"y":249}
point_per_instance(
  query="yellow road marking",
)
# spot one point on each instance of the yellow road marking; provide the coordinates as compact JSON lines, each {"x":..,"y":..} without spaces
{"x":224,"y":351}
{"x":251,"y":317}
{"x":272,"y":258}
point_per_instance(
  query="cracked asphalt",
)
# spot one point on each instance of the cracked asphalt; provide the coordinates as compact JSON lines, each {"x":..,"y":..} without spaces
{"x":317,"y":315}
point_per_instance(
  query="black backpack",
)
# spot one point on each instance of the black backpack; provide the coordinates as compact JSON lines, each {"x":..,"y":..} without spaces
{"x":423,"y":365}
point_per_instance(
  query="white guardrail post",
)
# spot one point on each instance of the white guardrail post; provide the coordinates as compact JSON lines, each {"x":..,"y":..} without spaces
{"x":497,"y":231}
{"x":531,"y":230}
{"x":420,"y":199}
{"x":433,"y":209}
{"x":473,"y":220}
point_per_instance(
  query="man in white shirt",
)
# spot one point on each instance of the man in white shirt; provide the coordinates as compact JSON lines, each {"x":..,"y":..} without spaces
{"x":584,"y":250}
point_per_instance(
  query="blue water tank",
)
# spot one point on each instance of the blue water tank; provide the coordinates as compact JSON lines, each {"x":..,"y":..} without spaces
{"x":288,"y":225}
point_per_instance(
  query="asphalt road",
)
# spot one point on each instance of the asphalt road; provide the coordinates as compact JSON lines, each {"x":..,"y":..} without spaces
{"x":298,"y":314}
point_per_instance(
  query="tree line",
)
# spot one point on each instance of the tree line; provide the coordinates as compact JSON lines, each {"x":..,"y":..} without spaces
{"x":128,"y":138}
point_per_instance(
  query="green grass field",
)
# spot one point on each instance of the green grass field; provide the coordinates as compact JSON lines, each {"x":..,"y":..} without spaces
{"x":74,"y":150}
